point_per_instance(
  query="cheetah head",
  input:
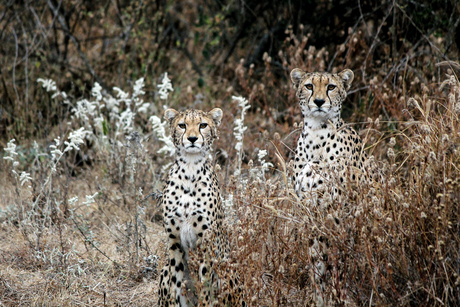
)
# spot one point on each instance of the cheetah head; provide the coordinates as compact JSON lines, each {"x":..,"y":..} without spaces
{"x":320,"y":93}
{"x":193,"y":131}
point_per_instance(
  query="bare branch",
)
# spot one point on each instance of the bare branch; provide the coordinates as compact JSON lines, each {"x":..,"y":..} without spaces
{"x":64,"y":26}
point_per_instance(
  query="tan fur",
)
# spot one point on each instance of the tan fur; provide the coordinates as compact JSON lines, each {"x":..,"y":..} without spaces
{"x":329,"y":153}
{"x":193,"y":213}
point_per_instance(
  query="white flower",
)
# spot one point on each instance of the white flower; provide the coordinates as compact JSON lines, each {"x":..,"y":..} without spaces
{"x":143,"y":108}
{"x":240,"y":129}
{"x":159,"y":129}
{"x":85,"y":108}
{"x":25,"y":177}
{"x":164,"y":87}
{"x":90,"y":199}
{"x":122,"y":95}
{"x":126,"y":120}
{"x":264,"y":166}
{"x":138,"y":86}
{"x":76,"y":139}
{"x":50,"y":85}
{"x":73,"y":201}
{"x":11,"y":150}
{"x":55,"y":152}
{"x":112,"y":104}
{"x":96,"y":91}
{"x":261,"y":154}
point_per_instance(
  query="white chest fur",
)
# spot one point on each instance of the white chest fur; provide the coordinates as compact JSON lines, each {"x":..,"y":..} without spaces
{"x":190,"y":185}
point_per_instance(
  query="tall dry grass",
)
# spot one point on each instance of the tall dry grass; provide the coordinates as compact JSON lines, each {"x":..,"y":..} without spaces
{"x":397,"y":243}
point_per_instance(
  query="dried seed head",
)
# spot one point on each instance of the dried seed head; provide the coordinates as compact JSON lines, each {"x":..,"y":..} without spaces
{"x":427,"y":140}
{"x":281,"y":269}
{"x":425,"y":89}
{"x":265,"y":56}
{"x":424,"y":128}
{"x":445,"y":138}
{"x":390,"y":153}
{"x":412,"y":103}
{"x":392,"y":142}
{"x":392,"y":181}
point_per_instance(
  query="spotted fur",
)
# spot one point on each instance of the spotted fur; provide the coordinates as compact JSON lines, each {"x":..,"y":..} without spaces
{"x":193,"y":214}
{"x":329,"y":153}
{"x":326,"y":145}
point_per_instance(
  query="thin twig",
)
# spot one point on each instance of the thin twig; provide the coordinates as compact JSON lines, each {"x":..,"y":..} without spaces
{"x":92,"y":243}
{"x":374,"y":42}
{"x":421,"y":32}
{"x":14,"y":65}
{"x":182,"y":46}
{"x":77,"y":46}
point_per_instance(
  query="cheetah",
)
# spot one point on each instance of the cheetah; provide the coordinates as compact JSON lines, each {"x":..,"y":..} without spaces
{"x":193,"y":212}
{"x":326,"y":145}
{"x":329,"y":152}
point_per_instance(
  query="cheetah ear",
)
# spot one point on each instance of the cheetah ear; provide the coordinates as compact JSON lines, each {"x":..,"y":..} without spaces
{"x":347,"y":77}
{"x":170,"y":114}
{"x":216,"y":115}
{"x":297,"y":76}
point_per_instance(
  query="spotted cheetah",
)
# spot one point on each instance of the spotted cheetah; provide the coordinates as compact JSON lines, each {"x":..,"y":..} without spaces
{"x":193,"y":213}
{"x":326,"y":145}
{"x":329,"y":153}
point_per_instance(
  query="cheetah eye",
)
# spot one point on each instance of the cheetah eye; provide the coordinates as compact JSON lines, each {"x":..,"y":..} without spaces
{"x":182,"y":126}
{"x":203,"y":125}
{"x":309,"y":86}
{"x":330,"y":87}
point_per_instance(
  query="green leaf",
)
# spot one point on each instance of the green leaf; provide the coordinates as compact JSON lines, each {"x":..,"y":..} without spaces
{"x":105,"y":130}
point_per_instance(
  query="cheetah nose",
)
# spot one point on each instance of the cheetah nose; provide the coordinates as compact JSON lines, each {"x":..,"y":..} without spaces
{"x":192,"y":139}
{"x":319,"y":102}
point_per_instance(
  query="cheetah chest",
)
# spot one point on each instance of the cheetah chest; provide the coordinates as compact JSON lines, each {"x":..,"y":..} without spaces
{"x":311,"y":145}
{"x":190,"y":204}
